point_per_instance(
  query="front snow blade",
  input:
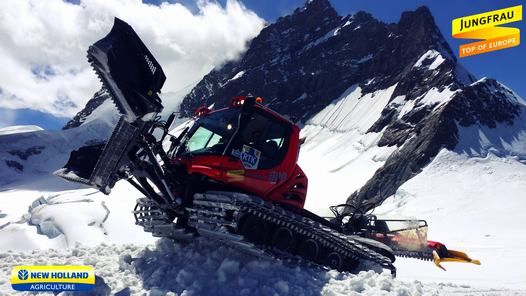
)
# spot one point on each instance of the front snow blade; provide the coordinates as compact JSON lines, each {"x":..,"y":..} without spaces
{"x":133,"y":78}
{"x":101,"y":166}
{"x":81,"y":163}
{"x":128,"y":70}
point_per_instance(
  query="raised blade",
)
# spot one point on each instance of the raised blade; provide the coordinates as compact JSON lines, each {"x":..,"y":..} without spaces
{"x":128,"y":71}
{"x":100,"y":166}
{"x":133,"y":78}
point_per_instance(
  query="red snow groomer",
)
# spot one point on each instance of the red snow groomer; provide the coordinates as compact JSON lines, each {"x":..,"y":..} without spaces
{"x":231,"y":175}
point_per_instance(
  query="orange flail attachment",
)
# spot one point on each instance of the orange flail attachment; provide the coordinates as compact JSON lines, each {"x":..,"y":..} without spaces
{"x":442,"y":254}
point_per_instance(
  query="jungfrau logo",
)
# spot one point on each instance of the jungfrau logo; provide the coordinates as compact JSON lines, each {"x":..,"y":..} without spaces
{"x":486,"y":26}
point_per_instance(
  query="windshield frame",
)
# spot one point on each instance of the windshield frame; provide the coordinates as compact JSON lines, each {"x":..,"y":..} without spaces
{"x":234,"y":137}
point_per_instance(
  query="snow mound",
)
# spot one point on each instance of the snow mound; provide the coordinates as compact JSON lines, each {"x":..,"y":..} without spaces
{"x":33,"y":219}
{"x":207,"y":268}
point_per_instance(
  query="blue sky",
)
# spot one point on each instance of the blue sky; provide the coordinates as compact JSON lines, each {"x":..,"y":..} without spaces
{"x":507,"y":66}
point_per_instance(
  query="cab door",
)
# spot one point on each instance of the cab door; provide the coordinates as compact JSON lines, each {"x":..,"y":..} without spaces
{"x":254,"y":161}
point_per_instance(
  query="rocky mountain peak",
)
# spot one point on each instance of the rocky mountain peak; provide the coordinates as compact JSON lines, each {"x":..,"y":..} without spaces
{"x":318,"y":5}
{"x":313,"y":17}
{"x":98,"y":98}
{"x":422,"y":33}
{"x":422,"y":16}
{"x":315,"y":54}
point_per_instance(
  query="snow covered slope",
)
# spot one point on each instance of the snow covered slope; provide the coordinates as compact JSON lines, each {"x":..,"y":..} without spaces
{"x":363,"y":146}
{"x":474,"y":199}
{"x":339,"y":156}
{"x":24,"y":156}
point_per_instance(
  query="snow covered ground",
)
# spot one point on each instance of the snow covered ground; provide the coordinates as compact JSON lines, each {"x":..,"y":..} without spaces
{"x":65,"y":215}
{"x":66,"y":223}
{"x":206,"y":268}
{"x":469,"y":210}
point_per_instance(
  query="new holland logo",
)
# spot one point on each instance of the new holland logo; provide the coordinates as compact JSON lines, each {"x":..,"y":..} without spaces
{"x":23,"y":275}
{"x":53,"y":278}
{"x":487,"y":26}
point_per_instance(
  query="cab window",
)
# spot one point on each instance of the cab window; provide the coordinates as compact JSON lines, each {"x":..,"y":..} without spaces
{"x":202,"y":139}
{"x":211,"y":133}
{"x":264,"y":139}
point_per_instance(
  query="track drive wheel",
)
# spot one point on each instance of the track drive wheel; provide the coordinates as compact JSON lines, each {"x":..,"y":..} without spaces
{"x":284,"y":239}
{"x":254,"y":229}
{"x":335,"y":261}
{"x":309,"y":249}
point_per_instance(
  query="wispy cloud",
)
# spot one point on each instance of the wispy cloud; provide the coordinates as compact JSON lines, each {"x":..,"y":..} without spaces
{"x":43,"y":45}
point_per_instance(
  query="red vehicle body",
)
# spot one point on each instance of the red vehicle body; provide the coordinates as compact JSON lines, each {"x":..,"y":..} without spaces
{"x":284,"y":183}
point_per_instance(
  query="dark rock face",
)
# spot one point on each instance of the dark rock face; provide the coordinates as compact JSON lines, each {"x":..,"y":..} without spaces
{"x":97,"y":100}
{"x":487,"y":103}
{"x":24,"y":154}
{"x":14,"y":164}
{"x":305,"y":60}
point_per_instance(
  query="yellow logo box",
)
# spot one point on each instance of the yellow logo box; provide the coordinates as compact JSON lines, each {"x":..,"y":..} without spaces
{"x":486,"y":26}
{"x":53,"y":278}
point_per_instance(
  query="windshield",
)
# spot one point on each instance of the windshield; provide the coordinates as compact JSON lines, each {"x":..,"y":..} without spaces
{"x":261,"y":143}
{"x":211,"y":133}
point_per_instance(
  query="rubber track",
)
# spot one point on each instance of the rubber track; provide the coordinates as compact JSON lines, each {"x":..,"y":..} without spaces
{"x":209,"y":208}
{"x":154,"y":220}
